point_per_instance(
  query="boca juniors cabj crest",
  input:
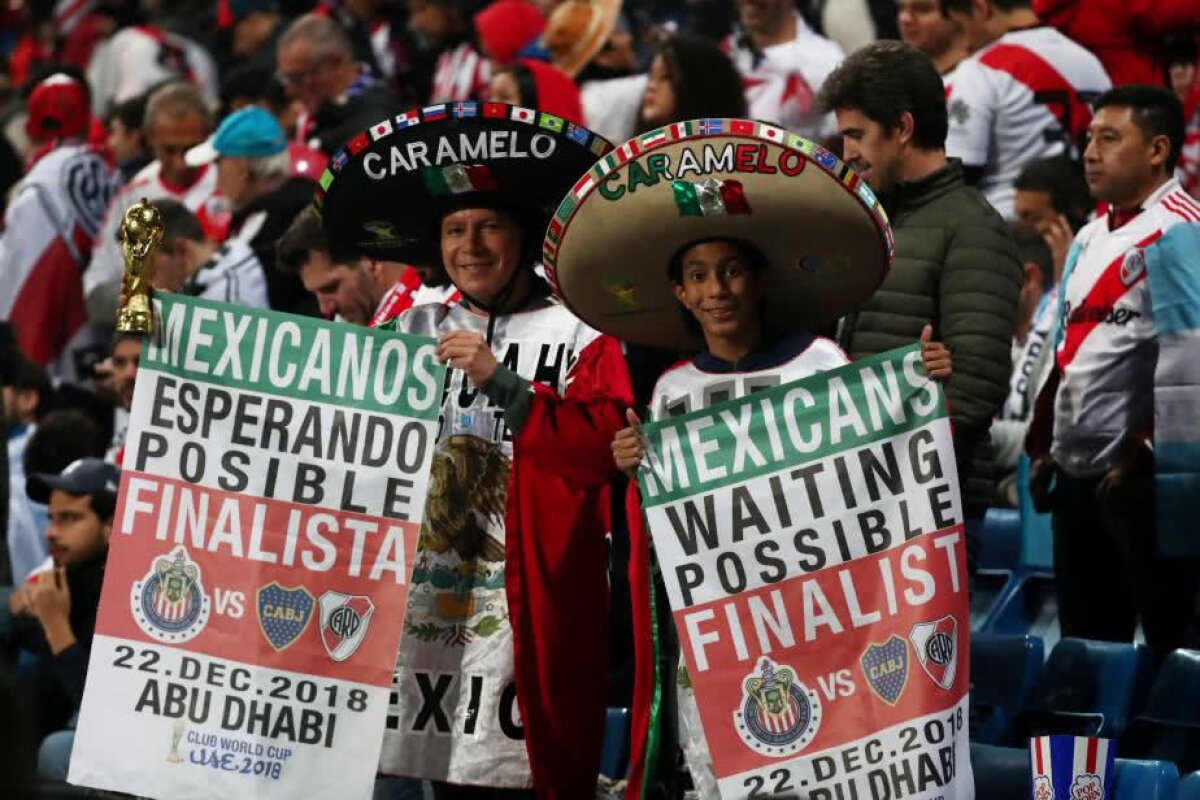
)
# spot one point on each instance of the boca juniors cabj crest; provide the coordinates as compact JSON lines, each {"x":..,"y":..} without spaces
{"x":885,"y":666}
{"x":169,"y":602}
{"x":936,"y":646}
{"x":283,"y":613}
{"x":344,"y":621}
{"x":778,"y":715}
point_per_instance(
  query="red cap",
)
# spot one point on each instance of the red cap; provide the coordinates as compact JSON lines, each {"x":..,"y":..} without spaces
{"x":58,"y":109}
{"x":506,"y":26}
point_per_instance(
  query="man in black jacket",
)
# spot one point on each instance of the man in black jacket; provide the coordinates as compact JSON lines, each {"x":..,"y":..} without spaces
{"x":56,"y":609}
{"x":341,"y":97}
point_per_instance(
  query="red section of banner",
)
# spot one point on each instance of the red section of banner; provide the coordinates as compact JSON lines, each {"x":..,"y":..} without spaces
{"x":264,"y":566}
{"x":875,"y":642}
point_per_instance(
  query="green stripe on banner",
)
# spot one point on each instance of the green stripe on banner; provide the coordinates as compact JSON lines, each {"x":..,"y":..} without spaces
{"x":294,"y":357}
{"x":868,"y":401}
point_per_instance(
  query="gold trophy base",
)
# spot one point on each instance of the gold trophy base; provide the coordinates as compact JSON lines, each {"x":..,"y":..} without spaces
{"x":136,"y":317}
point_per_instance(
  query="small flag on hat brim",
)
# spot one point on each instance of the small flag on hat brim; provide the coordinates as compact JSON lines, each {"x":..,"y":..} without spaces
{"x":381,"y":130}
{"x":466,"y":108}
{"x":653,"y":138}
{"x":771,"y":133}
{"x":358,"y":143}
{"x":407,"y":119}
{"x":495,"y":110}
{"x":551,"y":122}
{"x":583,"y":185}
{"x":710,"y":127}
{"x":522,"y":114}
{"x":741,"y":127}
{"x":433,"y":113}
{"x":577,"y":134}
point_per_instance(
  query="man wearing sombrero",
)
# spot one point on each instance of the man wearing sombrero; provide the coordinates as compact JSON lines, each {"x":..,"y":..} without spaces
{"x":734,"y":239}
{"x":501,"y":673}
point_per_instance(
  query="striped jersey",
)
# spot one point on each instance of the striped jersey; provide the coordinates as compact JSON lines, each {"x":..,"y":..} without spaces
{"x":1107,"y":349}
{"x":1021,"y":98}
{"x":461,"y":74}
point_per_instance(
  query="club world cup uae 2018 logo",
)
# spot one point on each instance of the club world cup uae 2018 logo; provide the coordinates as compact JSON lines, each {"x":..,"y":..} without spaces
{"x":169,"y":602}
{"x":778,"y":715}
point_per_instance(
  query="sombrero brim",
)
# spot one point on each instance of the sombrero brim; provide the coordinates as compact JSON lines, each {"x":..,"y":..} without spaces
{"x":824,"y":233}
{"x":589,"y":44}
{"x":385,"y":193}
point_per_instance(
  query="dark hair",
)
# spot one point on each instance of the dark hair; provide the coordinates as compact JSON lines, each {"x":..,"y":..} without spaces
{"x":303,"y":237}
{"x":31,"y":377}
{"x":178,"y":223}
{"x":705,"y":81}
{"x":964,"y":6}
{"x":131,"y":112}
{"x":1062,"y":178}
{"x":1180,"y":48}
{"x":62,"y":438}
{"x":1032,"y":248}
{"x":526,"y":83}
{"x":886,"y":79}
{"x":1156,"y":110}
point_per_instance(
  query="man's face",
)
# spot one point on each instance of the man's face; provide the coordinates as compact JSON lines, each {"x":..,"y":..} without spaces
{"x":923,"y":26}
{"x":872,"y":150}
{"x":1120,"y":160}
{"x":170,"y":139}
{"x":124,"y":143}
{"x":171,"y":268}
{"x":763,"y":16}
{"x":1035,"y":208}
{"x":125,"y":357}
{"x":233,"y":180}
{"x":974,"y":24}
{"x":481,"y":249}
{"x":76,"y":533}
{"x":721,"y":290}
{"x":311,"y":78}
{"x":430,"y":21}
{"x":344,"y":290}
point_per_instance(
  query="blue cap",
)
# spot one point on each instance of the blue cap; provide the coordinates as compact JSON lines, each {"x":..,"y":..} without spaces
{"x":249,"y":133}
{"x":85,"y":476}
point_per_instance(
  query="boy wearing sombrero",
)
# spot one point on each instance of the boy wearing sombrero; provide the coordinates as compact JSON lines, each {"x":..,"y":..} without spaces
{"x":735,"y":240}
{"x":501,"y":672}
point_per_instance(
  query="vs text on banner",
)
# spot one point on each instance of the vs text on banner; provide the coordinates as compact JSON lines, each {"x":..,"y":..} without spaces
{"x":273,"y":484}
{"x":811,"y":540}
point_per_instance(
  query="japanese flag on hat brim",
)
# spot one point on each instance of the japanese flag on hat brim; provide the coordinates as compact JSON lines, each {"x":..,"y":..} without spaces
{"x":824,"y":233}
{"x":386,"y":192}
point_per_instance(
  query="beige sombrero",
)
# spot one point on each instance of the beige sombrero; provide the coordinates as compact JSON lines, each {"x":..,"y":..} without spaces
{"x":577,"y":30}
{"x":824,"y":233}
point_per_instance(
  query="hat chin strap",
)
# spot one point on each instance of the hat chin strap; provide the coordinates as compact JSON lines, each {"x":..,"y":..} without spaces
{"x":498,"y":303}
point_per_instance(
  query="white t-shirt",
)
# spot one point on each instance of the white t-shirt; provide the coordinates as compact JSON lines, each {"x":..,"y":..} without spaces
{"x":782,"y":86}
{"x":610,"y":107}
{"x":1023,"y":97}
{"x":134,"y":60}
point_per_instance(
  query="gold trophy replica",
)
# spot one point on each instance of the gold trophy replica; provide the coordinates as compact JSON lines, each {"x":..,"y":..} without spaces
{"x":141,"y":232}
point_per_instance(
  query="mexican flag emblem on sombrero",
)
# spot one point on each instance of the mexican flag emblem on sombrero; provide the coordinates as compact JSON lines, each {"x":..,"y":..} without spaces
{"x":387,"y":190}
{"x":823,"y":232}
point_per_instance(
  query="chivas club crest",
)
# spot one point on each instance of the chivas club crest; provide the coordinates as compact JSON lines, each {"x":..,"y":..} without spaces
{"x":885,"y":666}
{"x":936,"y":646}
{"x":344,"y":621}
{"x":169,"y":603}
{"x":1132,"y":266}
{"x":283,"y":613}
{"x":778,"y":715}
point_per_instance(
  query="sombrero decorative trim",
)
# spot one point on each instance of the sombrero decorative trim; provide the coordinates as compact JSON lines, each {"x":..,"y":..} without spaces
{"x":732,"y":173}
{"x":382,"y":192}
{"x":602,"y":21}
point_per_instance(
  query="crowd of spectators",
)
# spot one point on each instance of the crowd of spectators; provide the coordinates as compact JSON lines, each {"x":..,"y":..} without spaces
{"x":992,"y":167}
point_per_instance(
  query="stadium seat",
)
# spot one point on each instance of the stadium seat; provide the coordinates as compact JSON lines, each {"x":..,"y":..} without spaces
{"x":1004,"y":674}
{"x":614,"y":759}
{"x":1000,"y":539}
{"x":1002,"y":773}
{"x":1169,"y":728}
{"x":1089,"y":689}
{"x":1189,"y":787}
{"x":986,"y":591}
{"x":1026,"y":606}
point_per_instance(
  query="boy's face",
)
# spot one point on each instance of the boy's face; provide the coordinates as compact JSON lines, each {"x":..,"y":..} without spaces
{"x":721,"y":289}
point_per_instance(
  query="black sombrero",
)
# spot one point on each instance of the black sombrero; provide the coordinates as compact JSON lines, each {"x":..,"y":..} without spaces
{"x":386,"y":191}
{"x":824,"y":233}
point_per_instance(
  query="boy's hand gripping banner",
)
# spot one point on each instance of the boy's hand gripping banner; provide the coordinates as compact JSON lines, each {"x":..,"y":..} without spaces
{"x":274,"y":480}
{"x":812,"y":545}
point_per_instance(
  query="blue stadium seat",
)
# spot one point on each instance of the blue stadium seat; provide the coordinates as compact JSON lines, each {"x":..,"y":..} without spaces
{"x":986,"y":591}
{"x":1089,"y":689}
{"x":1002,"y":773}
{"x":1004,"y":674}
{"x":1169,"y":728}
{"x":1145,"y":780}
{"x":1189,"y":787}
{"x":614,"y":758}
{"x":1000,"y":539}
{"x":1027,"y":604}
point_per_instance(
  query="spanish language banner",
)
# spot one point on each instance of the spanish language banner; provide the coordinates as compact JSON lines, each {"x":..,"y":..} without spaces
{"x":812,"y":545}
{"x":273,"y":484}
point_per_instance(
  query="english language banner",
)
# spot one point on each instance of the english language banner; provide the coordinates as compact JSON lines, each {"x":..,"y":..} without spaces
{"x":274,"y":478}
{"x":811,"y":540}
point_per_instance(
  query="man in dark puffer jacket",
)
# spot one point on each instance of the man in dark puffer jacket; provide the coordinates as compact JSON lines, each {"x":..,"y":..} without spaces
{"x":955,"y":264}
